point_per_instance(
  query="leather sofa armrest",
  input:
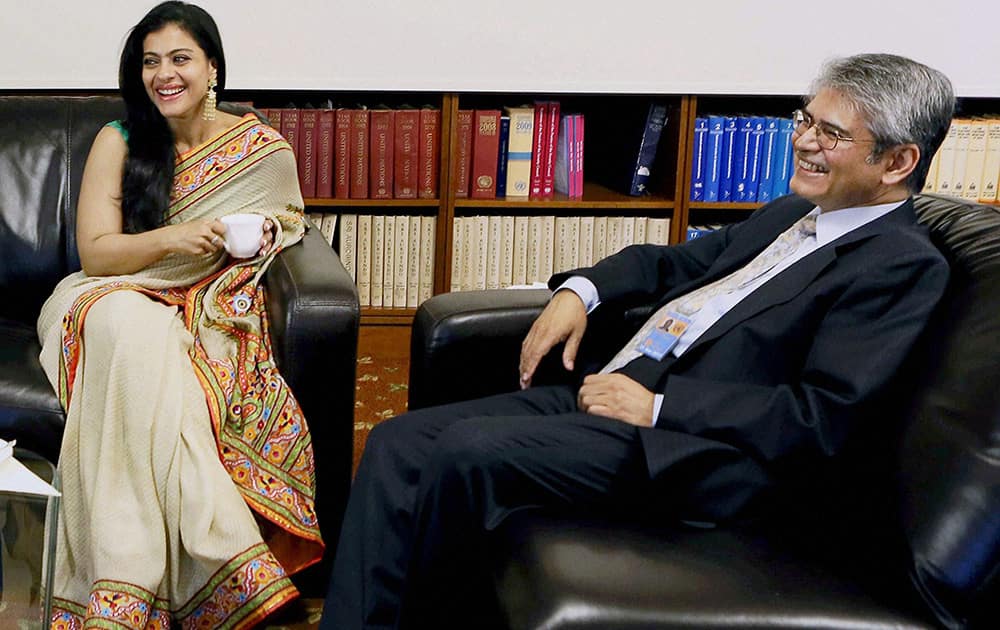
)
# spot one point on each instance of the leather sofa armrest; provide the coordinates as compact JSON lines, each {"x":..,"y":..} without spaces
{"x":314,"y":317}
{"x":467,"y":344}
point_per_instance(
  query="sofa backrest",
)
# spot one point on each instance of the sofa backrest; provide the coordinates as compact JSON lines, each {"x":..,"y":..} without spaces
{"x":44,"y":142}
{"x":949,"y":476}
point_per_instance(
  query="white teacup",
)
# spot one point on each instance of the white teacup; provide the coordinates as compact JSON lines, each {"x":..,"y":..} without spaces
{"x":243,"y":234}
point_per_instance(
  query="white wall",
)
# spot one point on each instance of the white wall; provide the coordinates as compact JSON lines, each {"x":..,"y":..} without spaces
{"x":686,"y":46}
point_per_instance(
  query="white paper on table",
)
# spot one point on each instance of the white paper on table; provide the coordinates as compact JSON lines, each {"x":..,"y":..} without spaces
{"x":15,"y":477}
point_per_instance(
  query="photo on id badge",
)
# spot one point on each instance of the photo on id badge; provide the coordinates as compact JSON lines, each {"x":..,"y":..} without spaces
{"x":664,"y":336}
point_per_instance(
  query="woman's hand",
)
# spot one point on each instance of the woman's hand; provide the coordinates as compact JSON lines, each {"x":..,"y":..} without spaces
{"x":196,"y":237}
{"x":267,"y":238}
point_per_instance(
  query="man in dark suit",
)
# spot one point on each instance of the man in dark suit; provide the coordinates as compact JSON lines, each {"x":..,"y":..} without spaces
{"x":794,"y":322}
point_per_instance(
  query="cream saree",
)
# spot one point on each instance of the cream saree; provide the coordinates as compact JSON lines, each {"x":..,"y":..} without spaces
{"x":187,"y":468}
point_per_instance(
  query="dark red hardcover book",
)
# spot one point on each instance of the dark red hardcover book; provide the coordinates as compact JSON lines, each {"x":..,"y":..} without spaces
{"x":324,"y":155}
{"x":290,"y":128}
{"x":463,"y":152}
{"x":485,"y":151}
{"x":540,"y":131}
{"x":406,"y":145}
{"x":274,"y":115}
{"x":359,"y":154}
{"x":308,"y":143}
{"x":428,"y":168}
{"x":382,"y":133}
{"x":551,"y":144}
{"x":342,"y":154}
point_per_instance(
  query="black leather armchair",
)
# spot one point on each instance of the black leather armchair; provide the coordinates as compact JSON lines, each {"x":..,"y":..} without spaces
{"x":909,"y":540}
{"x":312,"y":301}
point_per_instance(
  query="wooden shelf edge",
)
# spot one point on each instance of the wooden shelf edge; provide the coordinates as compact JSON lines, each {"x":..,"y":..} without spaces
{"x":398,"y":203}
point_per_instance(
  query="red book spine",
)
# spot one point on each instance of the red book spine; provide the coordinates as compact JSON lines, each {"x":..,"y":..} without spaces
{"x":324,"y":155}
{"x":359,"y":154}
{"x":485,"y":148}
{"x":463,"y":153}
{"x":540,"y":130}
{"x":290,"y":129}
{"x":551,"y":144}
{"x":309,"y":128}
{"x":381,"y":152}
{"x":342,"y":154}
{"x":406,"y":156}
{"x":274,"y":115}
{"x":429,"y":154}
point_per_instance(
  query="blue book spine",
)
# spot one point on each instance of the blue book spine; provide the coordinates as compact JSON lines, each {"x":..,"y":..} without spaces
{"x":755,"y":149}
{"x":728,"y":164}
{"x":783,"y":155}
{"x":656,"y":120}
{"x":765,"y":188}
{"x":502,"y":156}
{"x":741,"y":158}
{"x":713,"y":157}
{"x":698,"y":159}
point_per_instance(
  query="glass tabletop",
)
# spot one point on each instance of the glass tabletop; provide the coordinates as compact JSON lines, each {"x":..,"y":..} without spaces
{"x":27,"y":549}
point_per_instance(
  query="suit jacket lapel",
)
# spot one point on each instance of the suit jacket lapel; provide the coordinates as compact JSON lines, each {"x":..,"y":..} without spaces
{"x":792,"y":281}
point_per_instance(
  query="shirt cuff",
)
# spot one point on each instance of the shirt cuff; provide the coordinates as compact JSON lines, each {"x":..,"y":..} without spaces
{"x":657,"y":403}
{"x":584,"y":289}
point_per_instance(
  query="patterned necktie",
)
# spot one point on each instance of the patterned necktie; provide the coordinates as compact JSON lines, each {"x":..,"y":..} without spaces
{"x":787,"y":243}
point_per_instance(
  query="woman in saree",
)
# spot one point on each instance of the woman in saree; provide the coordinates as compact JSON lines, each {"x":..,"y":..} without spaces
{"x":187,"y":467}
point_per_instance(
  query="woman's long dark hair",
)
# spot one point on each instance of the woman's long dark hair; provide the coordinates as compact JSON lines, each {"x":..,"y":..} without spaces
{"x":149,"y":167}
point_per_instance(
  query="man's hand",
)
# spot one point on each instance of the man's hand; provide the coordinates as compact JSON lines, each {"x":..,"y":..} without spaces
{"x":616,"y":396}
{"x":564,"y":319}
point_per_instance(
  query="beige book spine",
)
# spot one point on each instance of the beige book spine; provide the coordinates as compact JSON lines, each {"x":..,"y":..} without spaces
{"x":457,"y":245}
{"x":991,"y":166}
{"x":586,"y":245}
{"x":521,"y":242}
{"x":482,"y":241}
{"x":628,"y":232}
{"x":641,"y":224}
{"x":349,"y":244}
{"x":506,"y":251}
{"x":975,"y":161}
{"x":600,"y":239}
{"x":428,"y":232}
{"x":328,"y":227}
{"x":562,"y":245}
{"x":389,"y":262}
{"x":365,"y":260}
{"x":614,"y":235}
{"x":930,"y":183}
{"x":493,"y":248}
{"x":946,"y":163}
{"x":962,"y":134}
{"x":470,"y":253}
{"x":413,"y":264}
{"x":658,"y":231}
{"x":534,"y":253}
{"x":547,"y":257}
{"x":378,"y":259}
{"x":402,"y":261}
{"x":573,"y":255}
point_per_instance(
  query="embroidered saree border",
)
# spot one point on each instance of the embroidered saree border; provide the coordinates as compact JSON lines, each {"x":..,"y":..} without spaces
{"x":240,"y":594}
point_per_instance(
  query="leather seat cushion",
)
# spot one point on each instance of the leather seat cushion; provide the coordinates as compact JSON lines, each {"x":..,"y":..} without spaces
{"x":29,"y":408}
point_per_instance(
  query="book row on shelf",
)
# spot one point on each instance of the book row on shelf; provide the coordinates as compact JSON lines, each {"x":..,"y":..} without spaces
{"x":390,"y":258}
{"x":496,"y":252}
{"x":536,"y":151}
{"x":968,"y":163}
{"x":360,"y":153}
{"x":531,"y":151}
{"x":746,"y":158}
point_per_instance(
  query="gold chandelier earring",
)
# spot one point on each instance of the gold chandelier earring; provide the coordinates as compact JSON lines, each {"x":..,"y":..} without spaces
{"x":208,"y":113}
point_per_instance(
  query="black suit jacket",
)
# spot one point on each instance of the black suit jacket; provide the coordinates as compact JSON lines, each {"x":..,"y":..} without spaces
{"x":787,"y":373}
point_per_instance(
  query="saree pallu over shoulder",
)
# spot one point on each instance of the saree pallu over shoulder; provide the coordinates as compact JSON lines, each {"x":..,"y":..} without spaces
{"x":261,"y":438}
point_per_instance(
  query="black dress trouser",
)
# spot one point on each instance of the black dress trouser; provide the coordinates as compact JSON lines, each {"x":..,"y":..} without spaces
{"x":433,"y":483}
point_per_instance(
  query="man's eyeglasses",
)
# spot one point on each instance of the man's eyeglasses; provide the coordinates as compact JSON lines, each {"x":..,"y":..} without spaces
{"x":827,"y":136}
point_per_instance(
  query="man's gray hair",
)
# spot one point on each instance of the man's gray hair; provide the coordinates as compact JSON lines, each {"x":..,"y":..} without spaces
{"x":902,"y":101}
